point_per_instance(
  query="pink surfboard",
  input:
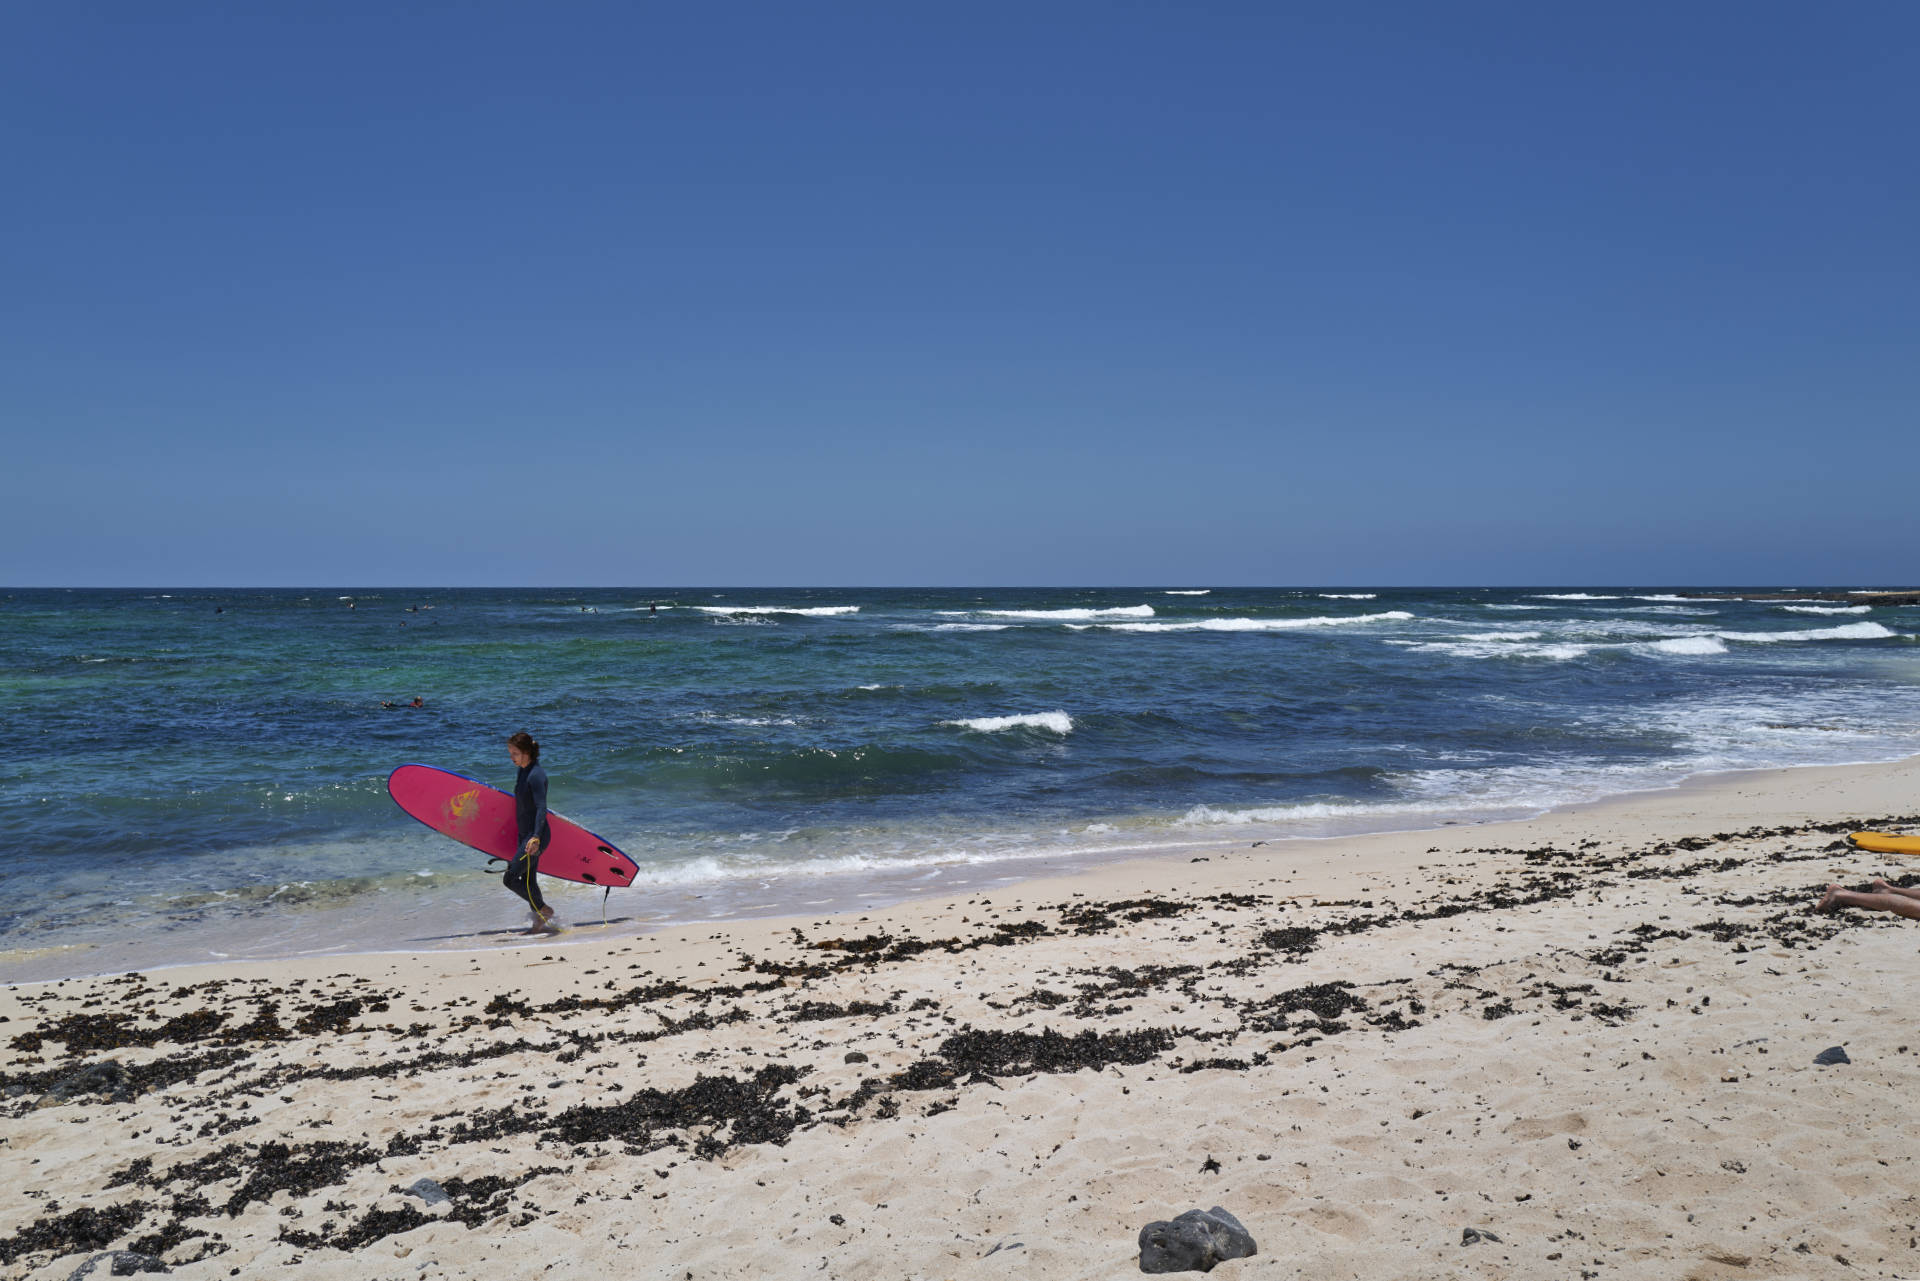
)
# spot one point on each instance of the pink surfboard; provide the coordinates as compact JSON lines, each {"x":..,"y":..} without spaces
{"x":482,"y":818}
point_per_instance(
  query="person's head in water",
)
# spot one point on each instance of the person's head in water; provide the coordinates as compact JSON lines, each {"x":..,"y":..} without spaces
{"x":523,"y":749}
{"x":421,"y":702}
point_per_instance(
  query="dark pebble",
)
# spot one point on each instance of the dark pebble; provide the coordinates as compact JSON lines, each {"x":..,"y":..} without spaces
{"x":1827,"y":1058}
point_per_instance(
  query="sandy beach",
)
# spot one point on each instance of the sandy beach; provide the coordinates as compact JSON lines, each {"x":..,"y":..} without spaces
{"x":1587,"y":1039}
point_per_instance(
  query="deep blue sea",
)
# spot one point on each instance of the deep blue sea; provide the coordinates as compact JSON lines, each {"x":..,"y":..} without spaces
{"x":192,"y":774}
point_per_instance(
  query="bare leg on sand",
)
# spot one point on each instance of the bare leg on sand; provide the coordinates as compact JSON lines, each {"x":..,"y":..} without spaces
{"x":1899,"y":904}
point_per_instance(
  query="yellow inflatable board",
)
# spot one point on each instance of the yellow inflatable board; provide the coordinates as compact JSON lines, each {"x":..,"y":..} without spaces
{"x":1886,"y":842}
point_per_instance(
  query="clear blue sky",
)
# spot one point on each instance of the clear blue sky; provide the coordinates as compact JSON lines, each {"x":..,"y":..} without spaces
{"x":968,"y":293}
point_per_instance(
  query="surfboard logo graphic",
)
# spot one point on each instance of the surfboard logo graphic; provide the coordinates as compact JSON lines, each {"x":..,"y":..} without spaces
{"x":463,"y":808}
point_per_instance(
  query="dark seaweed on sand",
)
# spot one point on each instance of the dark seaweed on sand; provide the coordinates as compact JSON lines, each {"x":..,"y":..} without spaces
{"x":233,"y":1019}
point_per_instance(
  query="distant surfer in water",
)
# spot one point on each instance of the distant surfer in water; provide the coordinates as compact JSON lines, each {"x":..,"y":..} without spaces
{"x":530,"y":808}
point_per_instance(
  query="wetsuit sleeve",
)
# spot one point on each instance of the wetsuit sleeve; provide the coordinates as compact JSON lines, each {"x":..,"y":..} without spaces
{"x":537,"y":785}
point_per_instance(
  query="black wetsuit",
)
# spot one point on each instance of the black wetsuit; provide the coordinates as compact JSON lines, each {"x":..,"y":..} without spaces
{"x":530,"y":808}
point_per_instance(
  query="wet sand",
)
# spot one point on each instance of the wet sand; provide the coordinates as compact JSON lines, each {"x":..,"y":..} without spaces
{"x":1588,"y":1036}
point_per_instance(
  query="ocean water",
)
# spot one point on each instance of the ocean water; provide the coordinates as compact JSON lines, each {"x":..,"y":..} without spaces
{"x":196,"y":774}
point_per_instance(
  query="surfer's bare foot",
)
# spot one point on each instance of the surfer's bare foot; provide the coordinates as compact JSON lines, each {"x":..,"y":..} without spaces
{"x":543,"y":922}
{"x":1829,"y":901}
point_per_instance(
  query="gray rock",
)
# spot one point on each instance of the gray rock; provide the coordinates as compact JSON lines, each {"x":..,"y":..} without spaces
{"x":429,"y":1191}
{"x":1194,"y":1242}
{"x":1473,"y":1236}
{"x":855,"y":1056}
{"x":116,"y":1263}
{"x":105,"y":1077}
{"x":1827,"y":1058}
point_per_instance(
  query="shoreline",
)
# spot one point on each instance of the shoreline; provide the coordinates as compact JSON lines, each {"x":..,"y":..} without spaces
{"x":842,"y":894}
{"x":1589,"y":1035}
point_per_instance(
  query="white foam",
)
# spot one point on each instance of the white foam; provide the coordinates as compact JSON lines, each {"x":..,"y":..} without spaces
{"x":1558,"y":653}
{"x":1207,"y":816}
{"x":808,"y":611}
{"x":1054,"y":615}
{"x":1513,"y":607}
{"x":1518,"y":645}
{"x":1349,"y":595}
{"x":1256,"y":624}
{"x":1671,"y":597}
{"x":1202,"y":591}
{"x":1570,"y":596}
{"x":1689,"y":645}
{"x":971,"y":627}
{"x":1057,"y":722}
{"x":1846,"y":631}
{"x":1827,"y":609}
{"x":984,"y":849}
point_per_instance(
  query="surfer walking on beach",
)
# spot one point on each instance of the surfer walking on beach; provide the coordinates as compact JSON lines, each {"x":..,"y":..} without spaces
{"x":530,"y":809}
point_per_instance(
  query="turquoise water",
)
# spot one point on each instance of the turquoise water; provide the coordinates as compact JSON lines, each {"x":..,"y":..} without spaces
{"x":192,"y":765}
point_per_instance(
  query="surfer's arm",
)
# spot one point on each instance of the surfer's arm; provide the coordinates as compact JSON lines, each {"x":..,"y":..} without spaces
{"x":537,"y":785}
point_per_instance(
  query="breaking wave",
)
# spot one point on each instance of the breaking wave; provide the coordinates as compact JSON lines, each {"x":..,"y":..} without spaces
{"x":1257,"y":624}
{"x":1846,"y":631}
{"x":1689,"y":645}
{"x":1054,"y":722}
{"x":1056,"y":615}
{"x":805,"y":611}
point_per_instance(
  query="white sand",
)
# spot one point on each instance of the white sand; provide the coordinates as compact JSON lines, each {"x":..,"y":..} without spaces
{"x":1643,"y":1107}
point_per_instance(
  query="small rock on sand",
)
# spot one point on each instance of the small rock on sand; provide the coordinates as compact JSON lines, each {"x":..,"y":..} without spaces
{"x":429,"y":1191}
{"x":1194,"y":1242}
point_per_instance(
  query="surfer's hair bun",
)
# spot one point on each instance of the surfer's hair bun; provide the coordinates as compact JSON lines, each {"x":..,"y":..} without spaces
{"x":524,"y":743}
